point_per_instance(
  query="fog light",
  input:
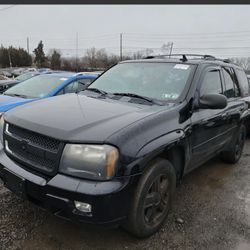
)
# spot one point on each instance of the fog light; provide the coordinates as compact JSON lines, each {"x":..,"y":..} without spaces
{"x":83,"y":207}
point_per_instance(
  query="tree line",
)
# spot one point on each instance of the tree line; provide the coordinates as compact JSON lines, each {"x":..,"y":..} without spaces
{"x":94,"y":59}
{"x":12,"y":57}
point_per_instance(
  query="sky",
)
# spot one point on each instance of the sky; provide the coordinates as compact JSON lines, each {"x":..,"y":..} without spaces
{"x":220,"y":30}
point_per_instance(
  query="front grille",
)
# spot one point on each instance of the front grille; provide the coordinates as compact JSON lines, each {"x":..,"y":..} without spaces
{"x":35,"y":138}
{"x":33,"y":150}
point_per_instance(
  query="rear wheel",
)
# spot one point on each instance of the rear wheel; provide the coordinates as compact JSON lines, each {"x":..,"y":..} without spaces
{"x":152,"y":200}
{"x":233,"y":155}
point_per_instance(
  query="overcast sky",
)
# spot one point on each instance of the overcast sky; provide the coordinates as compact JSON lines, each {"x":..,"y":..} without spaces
{"x":222,"y":30}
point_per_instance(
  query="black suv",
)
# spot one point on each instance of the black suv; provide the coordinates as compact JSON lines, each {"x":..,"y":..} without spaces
{"x":113,"y":154}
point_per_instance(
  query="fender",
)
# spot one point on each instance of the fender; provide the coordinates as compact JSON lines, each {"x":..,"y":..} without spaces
{"x":160,"y":143}
{"x":154,"y":148}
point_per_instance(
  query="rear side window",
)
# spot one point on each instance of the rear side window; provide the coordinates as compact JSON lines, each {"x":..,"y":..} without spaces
{"x":243,"y":82}
{"x":231,"y":88}
{"x":211,"y":83}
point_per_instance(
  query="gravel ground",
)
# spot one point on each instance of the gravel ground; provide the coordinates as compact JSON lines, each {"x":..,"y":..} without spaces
{"x":211,"y":211}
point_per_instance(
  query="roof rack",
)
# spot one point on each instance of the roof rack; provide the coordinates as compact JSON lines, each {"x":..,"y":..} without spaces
{"x":184,"y":57}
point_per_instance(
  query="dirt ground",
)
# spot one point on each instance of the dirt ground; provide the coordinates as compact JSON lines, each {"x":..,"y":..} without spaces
{"x":213,"y":202}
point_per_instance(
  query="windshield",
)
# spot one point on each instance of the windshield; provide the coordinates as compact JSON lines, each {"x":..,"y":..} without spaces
{"x":36,"y":87}
{"x":162,"y":81}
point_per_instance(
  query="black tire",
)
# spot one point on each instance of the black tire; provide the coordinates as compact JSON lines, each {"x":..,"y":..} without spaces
{"x":233,"y":155}
{"x":150,"y":207}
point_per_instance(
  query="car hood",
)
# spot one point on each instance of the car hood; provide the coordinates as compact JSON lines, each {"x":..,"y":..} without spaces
{"x":9,"y":102}
{"x":79,"y":118}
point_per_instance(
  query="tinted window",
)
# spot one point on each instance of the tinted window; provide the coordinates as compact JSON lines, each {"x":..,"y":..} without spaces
{"x":163,"y":81}
{"x":231,"y":89}
{"x":37,"y":86}
{"x":211,"y":83}
{"x":243,"y":81}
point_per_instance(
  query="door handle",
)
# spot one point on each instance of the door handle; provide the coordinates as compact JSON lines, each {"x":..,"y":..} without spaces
{"x":207,"y":123}
{"x":224,"y":116}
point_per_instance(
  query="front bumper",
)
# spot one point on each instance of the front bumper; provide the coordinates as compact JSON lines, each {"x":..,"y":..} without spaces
{"x":110,"y":200}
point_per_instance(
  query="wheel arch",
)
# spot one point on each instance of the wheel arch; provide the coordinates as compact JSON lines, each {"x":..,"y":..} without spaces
{"x":175,"y":151}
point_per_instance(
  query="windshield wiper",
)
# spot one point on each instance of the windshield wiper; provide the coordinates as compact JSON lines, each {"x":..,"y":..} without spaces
{"x":17,"y":95}
{"x":97,"y":91}
{"x":140,"y":97}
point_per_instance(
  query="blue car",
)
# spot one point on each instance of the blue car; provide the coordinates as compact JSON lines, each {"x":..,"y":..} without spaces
{"x":43,"y":86}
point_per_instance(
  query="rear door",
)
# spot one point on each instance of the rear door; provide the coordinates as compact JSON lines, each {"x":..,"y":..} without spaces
{"x":235,"y":105}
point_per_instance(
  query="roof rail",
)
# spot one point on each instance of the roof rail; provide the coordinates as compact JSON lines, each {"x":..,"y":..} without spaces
{"x":184,"y":57}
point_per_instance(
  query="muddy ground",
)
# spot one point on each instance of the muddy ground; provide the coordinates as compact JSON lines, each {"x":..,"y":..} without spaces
{"x":213,"y":202}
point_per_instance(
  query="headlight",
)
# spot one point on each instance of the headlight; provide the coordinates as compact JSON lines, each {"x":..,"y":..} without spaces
{"x":1,"y":128}
{"x":96,"y":162}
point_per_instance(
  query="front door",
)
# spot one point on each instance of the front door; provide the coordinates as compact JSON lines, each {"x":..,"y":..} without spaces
{"x":207,"y":125}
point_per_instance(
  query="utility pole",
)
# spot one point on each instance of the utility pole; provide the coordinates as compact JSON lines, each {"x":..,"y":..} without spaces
{"x":9,"y":57}
{"x":28,"y":45}
{"x":120,"y":46}
{"x":76,"y":51}
{"x":171,"y":49}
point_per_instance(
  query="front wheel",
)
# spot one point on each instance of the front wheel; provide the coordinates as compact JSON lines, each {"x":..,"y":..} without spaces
{"x":152,"y":200}
{"x":233,"y":155}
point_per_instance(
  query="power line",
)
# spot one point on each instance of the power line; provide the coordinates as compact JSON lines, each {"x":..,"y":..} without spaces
{"x":6,"y":8}
{"x":188,"y":34}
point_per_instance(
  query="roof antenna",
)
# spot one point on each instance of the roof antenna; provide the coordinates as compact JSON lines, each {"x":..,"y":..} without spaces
{"x":184,"y":58}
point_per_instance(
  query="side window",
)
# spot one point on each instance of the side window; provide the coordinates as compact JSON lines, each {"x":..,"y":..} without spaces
{"x":61,"y":92}
{"x":85,"y":80}
{"x":243,"y":82}
{"x":71,"y":88}
{"x":211,"y":83}
{"x":231,"y":88}
{"x":83,"y":83}
{"x":78,"y":85}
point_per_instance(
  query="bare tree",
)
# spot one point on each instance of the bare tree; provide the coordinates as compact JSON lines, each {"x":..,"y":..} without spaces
{"x":244,"y":62}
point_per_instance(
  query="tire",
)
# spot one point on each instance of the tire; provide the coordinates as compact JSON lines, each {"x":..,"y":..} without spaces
{"x":152,"y":199}
{"x":233,"y":155}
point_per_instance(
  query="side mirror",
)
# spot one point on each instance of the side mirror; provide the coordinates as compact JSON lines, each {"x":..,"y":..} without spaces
{"x":212,"y":101}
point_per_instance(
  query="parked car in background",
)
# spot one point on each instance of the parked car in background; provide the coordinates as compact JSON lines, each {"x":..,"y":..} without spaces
{"x":27,"y":76}
{"x":2,"y":77}
{"x":90,"y":72}
{"x":113,"y":154}
{"x":43,"y":86}
{"x":43,"y":70}
{"x":6,"y":84}
{"x":30,"y":70}
{"x":5,"y":73}
{"x":18,"y":71}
